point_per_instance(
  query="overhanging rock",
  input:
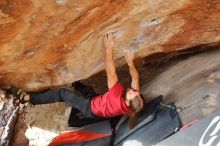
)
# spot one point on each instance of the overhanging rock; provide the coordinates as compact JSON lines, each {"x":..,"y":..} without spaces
{"x":47,"y":43}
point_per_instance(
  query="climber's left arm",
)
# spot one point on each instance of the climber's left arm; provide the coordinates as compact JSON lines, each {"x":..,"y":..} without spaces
{"x":112,"y":77}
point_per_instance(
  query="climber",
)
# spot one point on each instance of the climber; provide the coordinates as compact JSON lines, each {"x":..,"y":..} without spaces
{"x":109,"y":104}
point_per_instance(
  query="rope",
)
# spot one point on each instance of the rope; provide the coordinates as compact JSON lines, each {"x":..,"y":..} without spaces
{"x":180,"y":109}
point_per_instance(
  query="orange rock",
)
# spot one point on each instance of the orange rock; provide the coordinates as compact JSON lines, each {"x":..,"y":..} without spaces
{"x":49,"y":43}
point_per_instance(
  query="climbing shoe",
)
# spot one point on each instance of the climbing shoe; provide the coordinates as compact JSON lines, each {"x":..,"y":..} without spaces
{"x":18,"y":94}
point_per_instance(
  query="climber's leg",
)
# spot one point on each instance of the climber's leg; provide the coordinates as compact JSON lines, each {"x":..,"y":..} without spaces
{"x":60,"y":95}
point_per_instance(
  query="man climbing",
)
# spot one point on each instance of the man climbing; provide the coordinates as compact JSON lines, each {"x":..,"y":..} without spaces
{"x":109,"y":104}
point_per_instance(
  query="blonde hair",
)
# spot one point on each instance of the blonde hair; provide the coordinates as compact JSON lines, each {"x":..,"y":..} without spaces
{"x":136,"y":105}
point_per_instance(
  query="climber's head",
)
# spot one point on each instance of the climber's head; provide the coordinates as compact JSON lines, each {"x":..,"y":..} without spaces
{"x":134,"y":100}
{"x":136,"y":103}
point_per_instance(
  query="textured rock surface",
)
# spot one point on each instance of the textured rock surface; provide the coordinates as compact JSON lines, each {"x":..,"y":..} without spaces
{"x":8,"y":117}
{"x":53,"y":42}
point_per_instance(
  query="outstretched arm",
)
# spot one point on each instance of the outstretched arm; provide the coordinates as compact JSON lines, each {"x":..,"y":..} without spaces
{"x":112,"y":77}
{"x":129,"y":57}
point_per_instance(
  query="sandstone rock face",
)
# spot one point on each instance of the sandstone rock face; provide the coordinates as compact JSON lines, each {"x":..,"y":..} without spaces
{"x":8,"y":117}
{"x":54,"y":42}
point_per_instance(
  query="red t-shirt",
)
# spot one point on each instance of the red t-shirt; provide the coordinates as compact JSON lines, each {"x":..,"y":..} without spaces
{"x":111,"y":103}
